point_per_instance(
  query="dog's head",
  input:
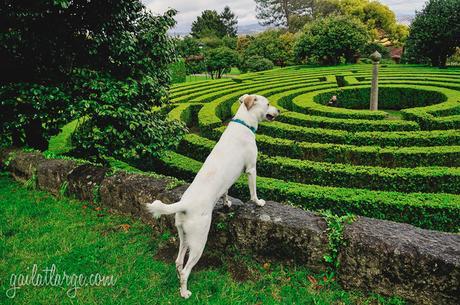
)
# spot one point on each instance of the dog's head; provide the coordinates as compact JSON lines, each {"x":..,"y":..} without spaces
{"x":259,"y":106}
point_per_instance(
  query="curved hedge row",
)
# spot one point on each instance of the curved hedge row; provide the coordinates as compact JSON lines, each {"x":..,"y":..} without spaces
{"x":402,"y":165}
{"x":430,"y":211}
{"x":420,"y":179}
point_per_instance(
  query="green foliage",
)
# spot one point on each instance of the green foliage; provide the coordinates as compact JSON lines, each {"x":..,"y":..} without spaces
{"x":31,"y":113}
{"x":420,"y":179}
{"x":335,"y":226}
{"x":279,"y":12}
{"x":219,"y":61}
{"x":372,"y":47}
{"x":188,"y":46}
{"x":120,"y":122}
{"x":255,"y":63}
{"x":212,"y":24}
{"x":435,"y":33}
{"x":230,"y":22}
{"x":275,"y":45}
{"x":330,"y":39}
{"x":48,"y":50}
{"x":390,"y":97}
{"x":178,"y":71}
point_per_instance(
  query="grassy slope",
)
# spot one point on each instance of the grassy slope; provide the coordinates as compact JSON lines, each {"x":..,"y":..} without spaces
{"x":82,"y":238}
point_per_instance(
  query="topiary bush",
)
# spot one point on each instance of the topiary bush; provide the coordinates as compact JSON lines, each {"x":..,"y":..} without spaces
{"x":255,"y":64}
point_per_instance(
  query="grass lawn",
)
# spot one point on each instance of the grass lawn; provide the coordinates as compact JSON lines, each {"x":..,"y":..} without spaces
{"x":83,"y":238}
{"x":194,"y":78}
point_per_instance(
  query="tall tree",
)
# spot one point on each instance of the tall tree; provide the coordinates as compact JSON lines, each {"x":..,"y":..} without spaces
{"x":279,"y":12}
{"x":230,"y":21}
{"x":208,"y":24}
{"x":435,"y":32}
{"x":103,"y":60}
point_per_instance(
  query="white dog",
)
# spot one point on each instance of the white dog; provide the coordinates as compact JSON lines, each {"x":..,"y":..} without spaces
{"x":234,"y":153}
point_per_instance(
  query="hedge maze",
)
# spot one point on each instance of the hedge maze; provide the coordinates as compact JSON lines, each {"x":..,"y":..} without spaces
{"x":400,"y":163}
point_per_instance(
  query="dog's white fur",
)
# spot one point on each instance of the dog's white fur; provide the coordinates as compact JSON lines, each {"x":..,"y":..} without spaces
{"x":234,"y":153}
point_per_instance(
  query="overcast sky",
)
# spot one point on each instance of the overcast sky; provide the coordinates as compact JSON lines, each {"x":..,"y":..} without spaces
{"x":245,"y":9}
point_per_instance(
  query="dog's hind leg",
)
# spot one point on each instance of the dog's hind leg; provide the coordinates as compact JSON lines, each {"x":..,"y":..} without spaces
{"x":182,"y":250}
{"x":196,"y":237}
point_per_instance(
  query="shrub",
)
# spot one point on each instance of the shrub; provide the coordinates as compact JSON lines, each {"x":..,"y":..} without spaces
{"x":120,"y":123}
{"x":255,"y":64}
{"x":178,"y":71}
{"x":219,"y":61}
{"x":331,"y":38}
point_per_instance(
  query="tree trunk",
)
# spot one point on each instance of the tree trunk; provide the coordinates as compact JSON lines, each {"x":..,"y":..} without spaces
{"x":16,"y":139}
{"x":285,"y":9}
{"x":34,"y":135}
{"x":434,"y":61}
{"x":442,"y":61}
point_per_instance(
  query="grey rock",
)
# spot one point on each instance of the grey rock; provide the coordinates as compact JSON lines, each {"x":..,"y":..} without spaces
{"x":84,"y":180}
{"x":393,"y":258}
{"x":51,"y":174}
{"x":24,"y":164}
{"x":128,"y":193}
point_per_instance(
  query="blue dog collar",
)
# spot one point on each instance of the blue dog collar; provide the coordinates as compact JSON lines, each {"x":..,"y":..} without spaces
{"x":253,"y":129}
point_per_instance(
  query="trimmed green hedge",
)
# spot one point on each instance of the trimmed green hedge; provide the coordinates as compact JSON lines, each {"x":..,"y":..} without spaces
{"x":430,"y":211}
{"x":367,"y":138}
{"x":395,"y":98}
{"x":186,"y":112}
{"x":420,"y":179}
{"x":212,"y":114}
{"x":358,"y":155}
{"x":347,"y":124}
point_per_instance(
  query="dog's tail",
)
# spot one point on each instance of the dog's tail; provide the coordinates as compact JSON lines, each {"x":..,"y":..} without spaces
{"x":158,"y":208}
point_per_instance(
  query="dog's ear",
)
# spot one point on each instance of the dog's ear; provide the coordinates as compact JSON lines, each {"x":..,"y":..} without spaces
{"x":241,"y":99}
{"x":248,"y":101}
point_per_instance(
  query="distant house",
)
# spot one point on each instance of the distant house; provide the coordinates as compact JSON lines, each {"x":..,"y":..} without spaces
{"x":396,"y":54}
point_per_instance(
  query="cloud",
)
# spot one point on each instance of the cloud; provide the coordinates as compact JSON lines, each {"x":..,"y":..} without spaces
{"x":245,"y":9}
{"x":188,"y":10}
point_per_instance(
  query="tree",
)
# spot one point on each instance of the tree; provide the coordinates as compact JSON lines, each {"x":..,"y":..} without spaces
{"x":212,"y":24}
{"x":219,"y":61}
{"x":279,"y":12}
{"x":230,"y":22}
{"x":435,"y":32}
{"x":275,"y":45}
{"x":188,"y":46}
{"x":209,"y":24}
{"x":329,"y":39}
{"x":103,"y":60}
{"x":254,"y":64}
{"x":40,"y":46}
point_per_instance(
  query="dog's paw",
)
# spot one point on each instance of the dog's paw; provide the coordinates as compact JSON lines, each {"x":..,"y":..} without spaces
{"x":260,"y":202}
{"x":228,"y":203}
{"x":185,"y":294}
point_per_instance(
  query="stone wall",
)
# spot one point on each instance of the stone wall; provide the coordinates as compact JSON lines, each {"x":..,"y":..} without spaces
{"x":385,"y":257}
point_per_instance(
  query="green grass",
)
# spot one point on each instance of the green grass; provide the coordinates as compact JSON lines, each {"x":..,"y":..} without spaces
{"x":83,"y":238}
{"x":60,"y":144}
{"x":235,"y":71}
{"x":194,"y":78}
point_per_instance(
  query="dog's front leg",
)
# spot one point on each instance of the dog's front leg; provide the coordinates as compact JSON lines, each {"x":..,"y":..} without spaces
{"x":252,"y":176}
{"x":226,"y":201}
